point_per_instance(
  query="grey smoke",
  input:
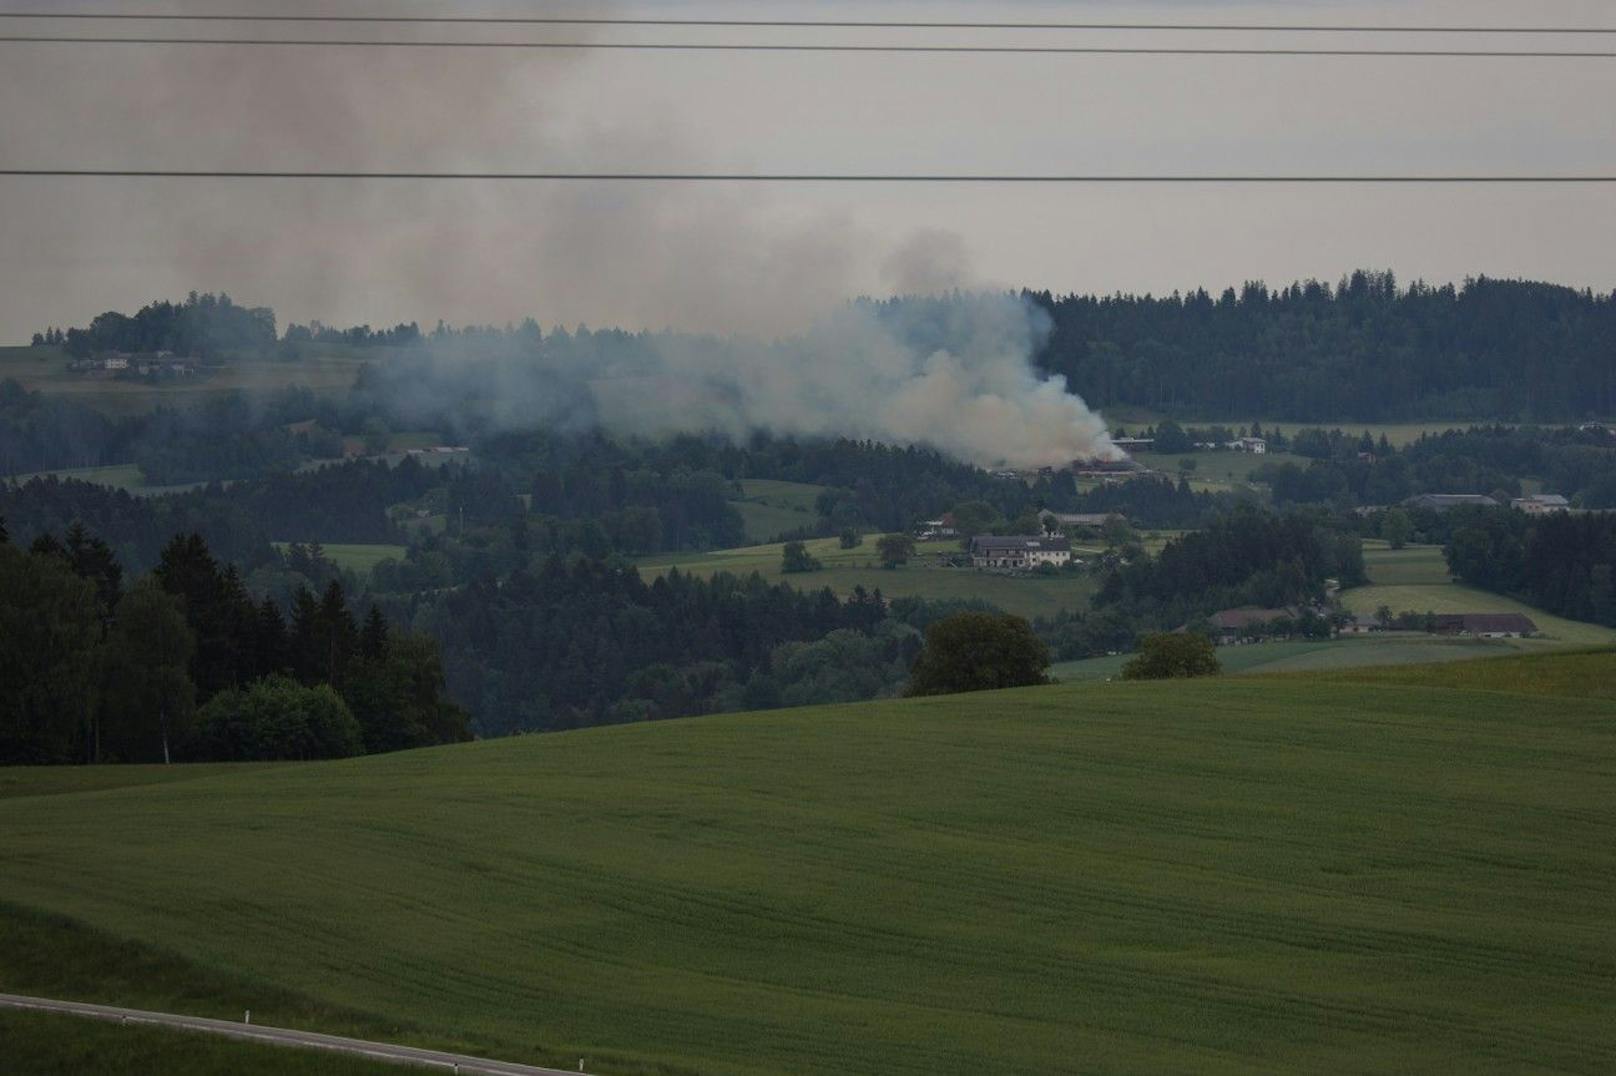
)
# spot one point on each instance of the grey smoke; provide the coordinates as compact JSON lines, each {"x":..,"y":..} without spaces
{"x":783,"y":350}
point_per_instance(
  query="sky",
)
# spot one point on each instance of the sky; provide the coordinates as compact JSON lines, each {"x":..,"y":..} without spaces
{"x":767,"y":259}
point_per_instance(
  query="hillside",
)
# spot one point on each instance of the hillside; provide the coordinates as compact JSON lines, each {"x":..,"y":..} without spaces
{"x":1384,"y":870}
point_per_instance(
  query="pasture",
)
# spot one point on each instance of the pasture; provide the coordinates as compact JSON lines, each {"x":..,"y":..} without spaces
{"x":70,"y":1046}
{"x":844,"y":569}
{"x":1415,"y":579}
{"x":770,"y":508}
{"x":324,"y":370}
{"x":1379,"y":870}
{"x":1215,"y":469}
{"x":356,"y":557}
{"x":1298,"y":655}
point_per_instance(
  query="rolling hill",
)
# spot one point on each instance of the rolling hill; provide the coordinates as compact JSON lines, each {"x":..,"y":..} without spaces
{"x":1374,"y":870}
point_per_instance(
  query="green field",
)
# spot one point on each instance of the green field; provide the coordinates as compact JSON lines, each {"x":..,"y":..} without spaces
{"x":1028,"y":596}
{"x":1398,"y":433}
{"x":325,"y":370}
{"x":1381,"y":870}
{"x":770,"y":508}
{"x":51,"y":1045}
{"x":1214,"y":469}
{"x":125,"y":476}
{"x":1415,"y":579}
{"x":355,"y":557}
{"x":1298,"y":655}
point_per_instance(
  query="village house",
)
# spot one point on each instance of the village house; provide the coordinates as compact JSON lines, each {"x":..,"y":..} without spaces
{"x":1255,"y":445}
{"x":1134,"y":444}
{"x":1019,"y":551}
{"x":1539,"y":504}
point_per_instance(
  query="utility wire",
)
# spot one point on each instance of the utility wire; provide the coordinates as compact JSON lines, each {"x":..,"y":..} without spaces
{"x":1098,"y":50}
{"x":875,"y":24}
{"x":820,"y":177}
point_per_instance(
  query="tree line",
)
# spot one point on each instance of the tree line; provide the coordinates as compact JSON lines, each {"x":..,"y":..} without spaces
{"x":1365,"y":350}
{"x":184,"y":664}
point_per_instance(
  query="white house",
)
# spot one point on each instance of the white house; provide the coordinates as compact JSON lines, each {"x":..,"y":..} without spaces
{"x":1540,"y":504}
{"x":1020,"y":551}
{"x":1249,"y":444}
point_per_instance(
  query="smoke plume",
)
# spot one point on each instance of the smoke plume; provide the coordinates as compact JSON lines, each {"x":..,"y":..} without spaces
{"x":767,"y":288}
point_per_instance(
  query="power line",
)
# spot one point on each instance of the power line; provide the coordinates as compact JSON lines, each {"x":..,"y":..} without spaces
{"x":820,"y":177}
{"x":872,"y":24}
{"x":1097,"y":50}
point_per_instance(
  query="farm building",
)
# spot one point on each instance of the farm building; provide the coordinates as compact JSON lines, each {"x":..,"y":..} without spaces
{"x":1019,"y":551}
{"x":1541,"y":504}
{"x":1442,"y":502}
{"x":1233,"y":625}
{"x":1255,"y":445}
{"x":1056,"y":521}
{"x":1485,"y":625}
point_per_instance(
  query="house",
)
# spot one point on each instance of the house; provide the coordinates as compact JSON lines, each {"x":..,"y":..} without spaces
{"x":1539,"y":504}
{"x":1055,"y":522}
{"x":115,"y":361}
{"x":1234,"y":625}
{"x":1255,"y":445}
{"x":1019,"y":551}
{"x":932,"y":529}
{"x":1361,"y":625}
{"x":1485,"y":625}
{"x":1134,"y":444}
{"x":1442,"y":502}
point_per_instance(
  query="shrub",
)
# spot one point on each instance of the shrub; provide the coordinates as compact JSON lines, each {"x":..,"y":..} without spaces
{"x":1172,"y":655}
{"x":979,"y":652}
{"x":276,"y":718}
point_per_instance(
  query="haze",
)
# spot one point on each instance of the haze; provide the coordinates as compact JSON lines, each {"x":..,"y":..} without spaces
{"x":721,"y":257}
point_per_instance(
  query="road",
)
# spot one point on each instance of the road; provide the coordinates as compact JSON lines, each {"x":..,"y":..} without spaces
{"x":280,"y":1036}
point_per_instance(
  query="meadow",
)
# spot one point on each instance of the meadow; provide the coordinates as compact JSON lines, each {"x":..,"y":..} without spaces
{"x":70,"y":1046}
{"x":1214,"y":469}
{"x":1371,"y":870}
{"x":770,"y":508}
{"x":1415,"y":579}
{"x":844,"y":569}
{"x":324,"y":370}
{"x":358,"y":558}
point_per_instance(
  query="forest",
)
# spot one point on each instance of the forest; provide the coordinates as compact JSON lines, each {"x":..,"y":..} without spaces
{"x":1365,"y":350}
{"x":185,"y":664}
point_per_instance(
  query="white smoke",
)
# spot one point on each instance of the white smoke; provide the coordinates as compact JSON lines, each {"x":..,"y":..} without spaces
{"x":954,"y":373}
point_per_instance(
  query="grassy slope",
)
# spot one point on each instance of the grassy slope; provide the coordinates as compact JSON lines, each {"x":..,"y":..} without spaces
{"x":1214,"y":469}
{"x":770,"y":508}
{"x":846,"y":568}
{"x":1248,"y":874}
{"x":46,"y":1045}
{"x":358,"y":558}
{"x":1416,"y":579}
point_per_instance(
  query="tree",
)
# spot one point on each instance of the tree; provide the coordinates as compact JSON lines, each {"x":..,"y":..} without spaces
{"x":378,"y":437}
{"x":276,"y":718}
{"x":1172,"y":655}
{"x":1397,"y":528}
{"x":895,"y":549}
{"x":148,"y":699}
{"x":1171,"y":439}
{"x":850,"y":539}
{"x":51,"y":624}
{"x":794,"y":557}
{"x":974,"y":517}
{"x":979,"y":652}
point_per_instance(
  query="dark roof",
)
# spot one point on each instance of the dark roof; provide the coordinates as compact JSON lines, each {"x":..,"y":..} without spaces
{"x":1019,"y":543}
{"x":1451,"y":500}
{"x":1485,"y":622}
{"x":1245,"y":618}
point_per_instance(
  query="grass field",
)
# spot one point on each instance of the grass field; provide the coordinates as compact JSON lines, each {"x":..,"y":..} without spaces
{"x":71,"y":1046}
{"x":1312,"y":654}
{"x":125,"y":476}
{"x":330,"y":370}
{"x":357,"y":558}
{"x":1380,"y":870}
{"x":1398,"y":433}
{"x":844,"y":569}
{"x":1219,"y":470}
{"x":770,"y":508}
{"x":1415,"y":579}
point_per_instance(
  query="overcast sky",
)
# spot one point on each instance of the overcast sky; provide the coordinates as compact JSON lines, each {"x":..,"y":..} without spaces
{"x":721,"y":257}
